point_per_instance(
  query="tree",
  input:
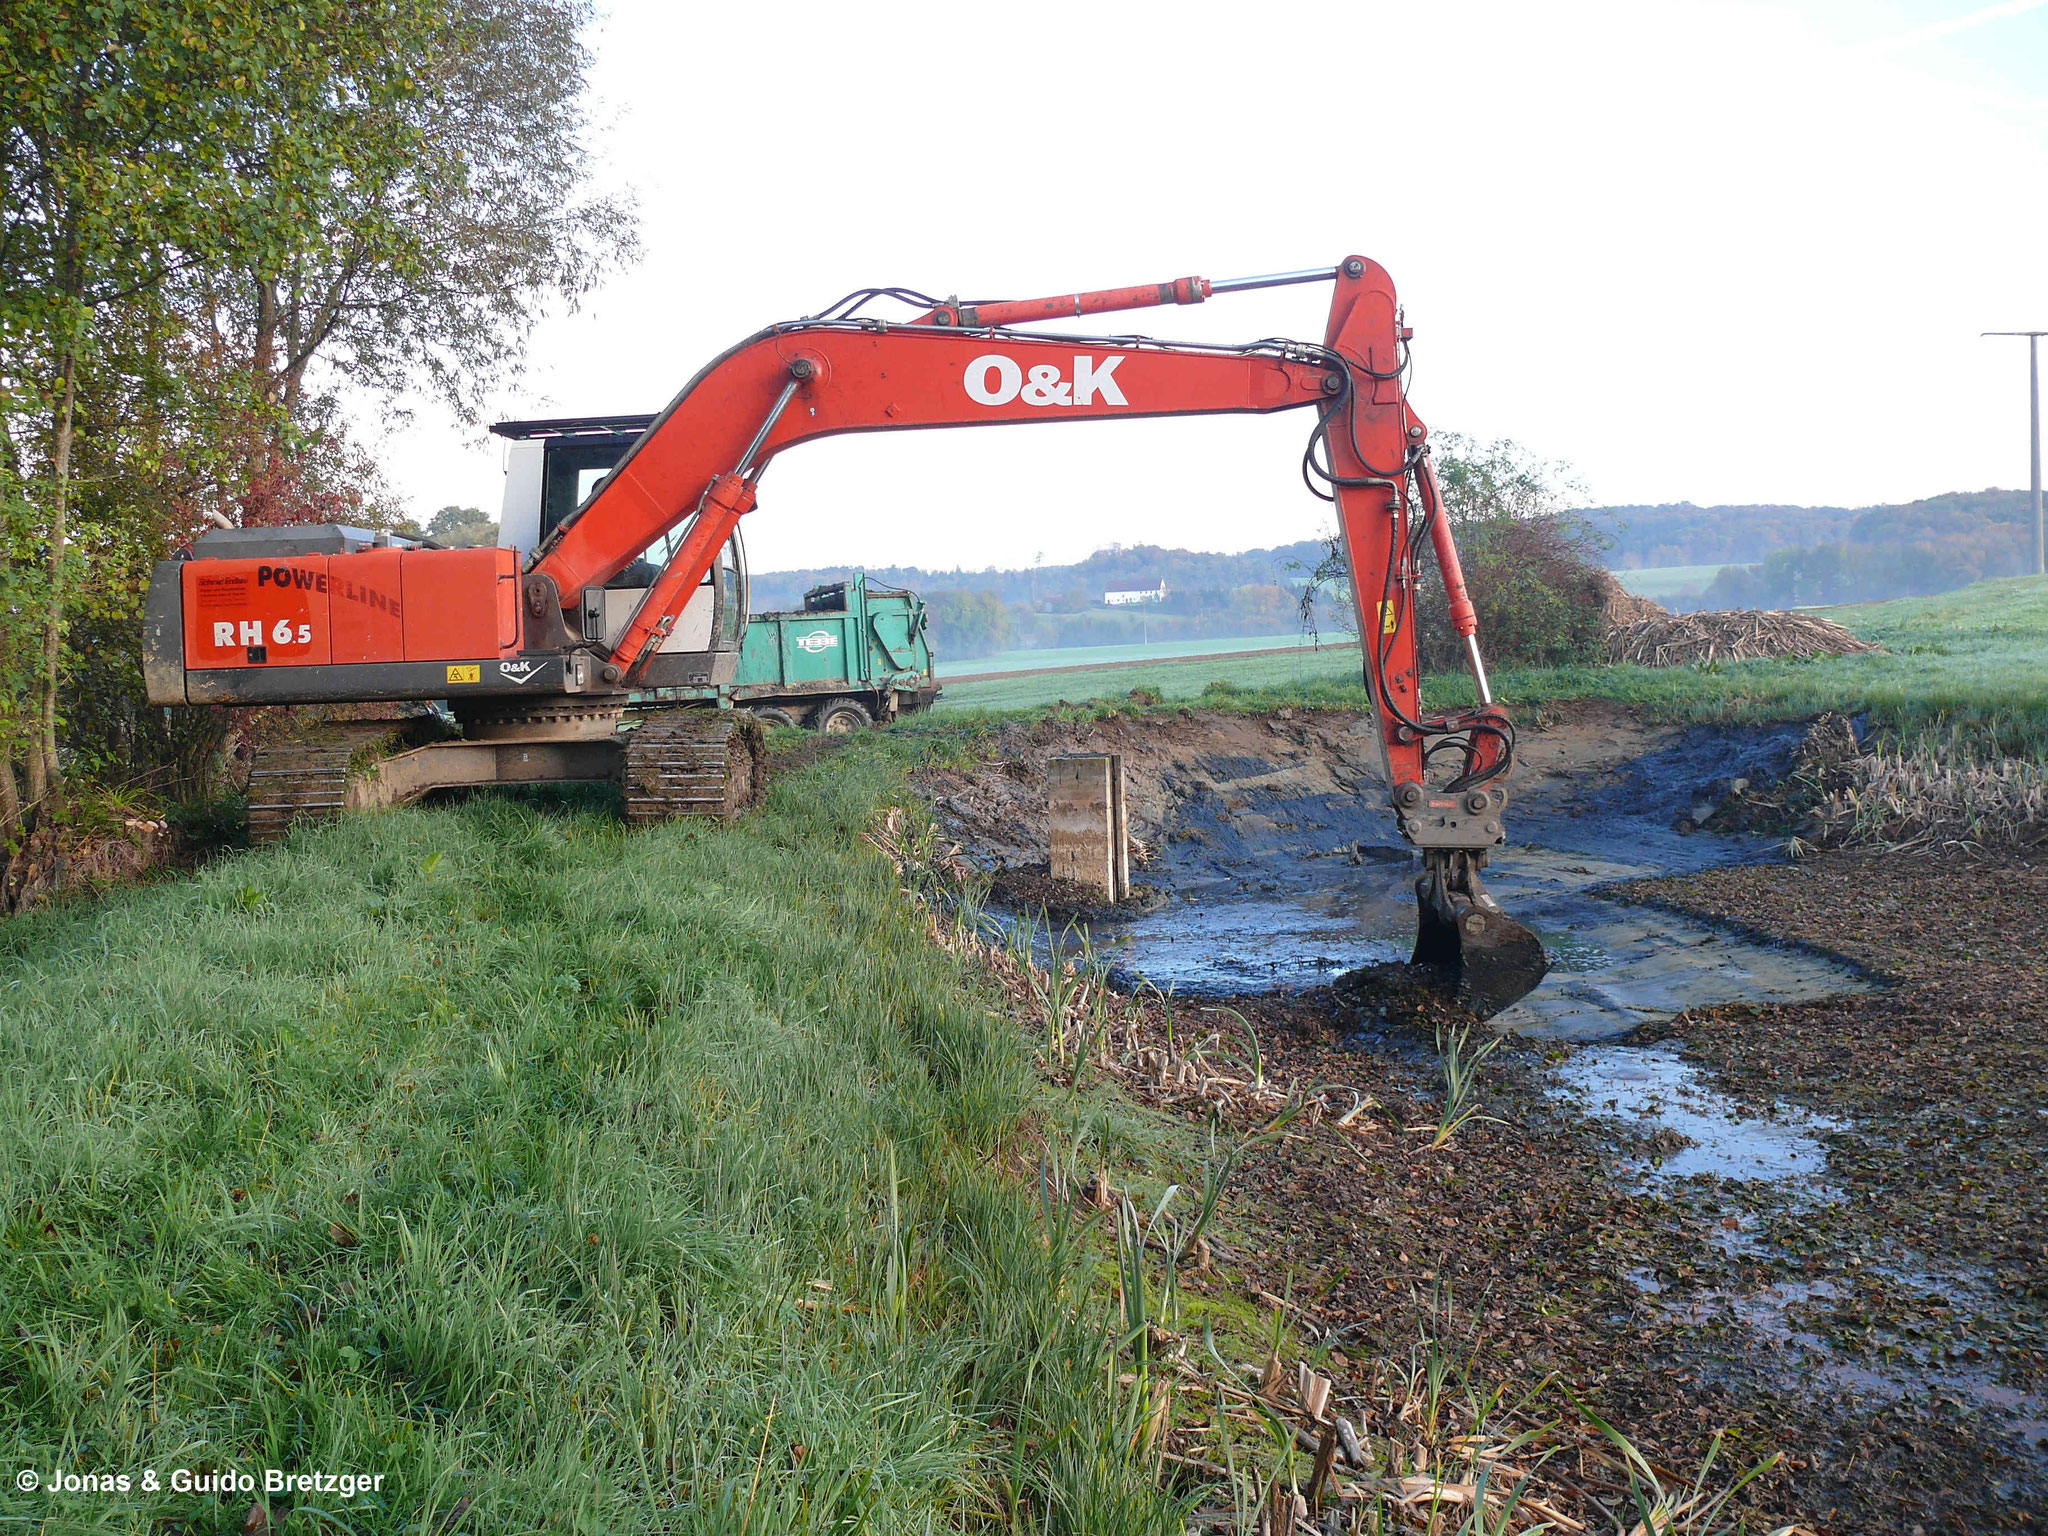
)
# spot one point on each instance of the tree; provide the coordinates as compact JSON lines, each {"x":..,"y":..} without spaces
{"x":111,"y":180}
{"x":1527,"y":555}
{"x":200,"y":201}
{"x":1325,"y":589}
{"x":1529,"y":559}
{"x":968,"y":623}
{"x":456,"y":208}
{"x":462,"y":528}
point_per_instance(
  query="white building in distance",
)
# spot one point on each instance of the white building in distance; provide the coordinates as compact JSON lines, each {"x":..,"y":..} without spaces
{"x":1128,"y":599}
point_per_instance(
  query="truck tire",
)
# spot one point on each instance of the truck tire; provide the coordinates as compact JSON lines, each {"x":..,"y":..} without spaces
{"x":842,"y":717}
{"x":773,"y":714}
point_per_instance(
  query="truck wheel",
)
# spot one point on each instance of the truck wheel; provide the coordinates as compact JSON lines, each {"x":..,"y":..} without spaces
{"x":772,"y":715}
{"x":841,"y":717}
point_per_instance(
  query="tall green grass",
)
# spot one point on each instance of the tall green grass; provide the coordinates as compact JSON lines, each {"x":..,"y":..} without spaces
{"x":572,"y":1180}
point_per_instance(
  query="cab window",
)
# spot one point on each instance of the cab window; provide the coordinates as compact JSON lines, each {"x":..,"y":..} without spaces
{"x":572,"y":473}
{"x":733,"y":616}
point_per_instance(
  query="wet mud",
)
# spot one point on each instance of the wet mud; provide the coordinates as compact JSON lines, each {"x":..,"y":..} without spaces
{"x":1770,"y":1138}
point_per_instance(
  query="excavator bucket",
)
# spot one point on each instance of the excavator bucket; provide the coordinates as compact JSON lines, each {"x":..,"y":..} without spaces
{"x":1487,"y":959}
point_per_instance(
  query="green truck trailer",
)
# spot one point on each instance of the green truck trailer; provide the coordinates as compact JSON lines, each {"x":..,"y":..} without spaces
{"x":857,"y":654}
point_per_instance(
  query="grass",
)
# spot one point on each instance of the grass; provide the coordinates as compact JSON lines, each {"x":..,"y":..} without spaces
{"x":567,"y":1179}
{"x":1459,"y":1066}
{"x":1099,"y":655}
{"x":1967,"y":670}
{"x":1171,"y":679}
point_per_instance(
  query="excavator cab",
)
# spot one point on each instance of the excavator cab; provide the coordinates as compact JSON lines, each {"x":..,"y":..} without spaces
{"x":555,"y":466}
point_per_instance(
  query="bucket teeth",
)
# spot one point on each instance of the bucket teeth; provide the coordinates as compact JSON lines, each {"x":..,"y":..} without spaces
{"x":1490,"y":961}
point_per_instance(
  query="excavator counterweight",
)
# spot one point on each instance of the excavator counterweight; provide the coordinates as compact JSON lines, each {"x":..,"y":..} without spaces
{"x":548,"y":653}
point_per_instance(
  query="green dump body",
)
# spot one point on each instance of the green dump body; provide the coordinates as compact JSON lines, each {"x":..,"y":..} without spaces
{"x":853,"y":640}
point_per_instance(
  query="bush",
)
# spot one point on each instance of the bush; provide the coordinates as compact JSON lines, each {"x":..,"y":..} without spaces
{"x":113,"y":735}
{"x":1540,"y":600}
{"x":1530,"y":564}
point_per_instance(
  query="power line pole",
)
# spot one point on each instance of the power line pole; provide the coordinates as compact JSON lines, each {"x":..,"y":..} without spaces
{"x":2034,"y":430}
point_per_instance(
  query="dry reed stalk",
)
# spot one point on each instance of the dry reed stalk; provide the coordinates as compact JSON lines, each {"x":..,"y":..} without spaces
{"x":1901,"y":800}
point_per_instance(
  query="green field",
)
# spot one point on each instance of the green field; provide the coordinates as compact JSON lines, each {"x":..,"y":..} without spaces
{"x":1096,"y":655}
{"x":576,"y":1180}
{"x":1658,"y":582}
{"x":1969,"y":668}
{"x":1169,"y":678}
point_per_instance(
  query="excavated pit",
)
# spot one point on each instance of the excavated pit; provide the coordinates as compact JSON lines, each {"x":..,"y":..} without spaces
{"x":1269,"y":853}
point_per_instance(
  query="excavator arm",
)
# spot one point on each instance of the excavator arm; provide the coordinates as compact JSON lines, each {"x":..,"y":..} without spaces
{"x":960,"y":365}
{"x":794,"y":383}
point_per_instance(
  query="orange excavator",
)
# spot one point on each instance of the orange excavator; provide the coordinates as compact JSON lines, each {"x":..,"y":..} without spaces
{"x":561,"y":662}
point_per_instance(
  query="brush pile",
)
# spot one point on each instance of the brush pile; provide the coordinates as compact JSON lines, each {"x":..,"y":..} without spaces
{"x":1620,"y":606}
{"x":1696,"y":639}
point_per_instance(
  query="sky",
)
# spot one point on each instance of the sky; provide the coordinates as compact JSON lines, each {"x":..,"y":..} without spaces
{"x":1709,"y":252}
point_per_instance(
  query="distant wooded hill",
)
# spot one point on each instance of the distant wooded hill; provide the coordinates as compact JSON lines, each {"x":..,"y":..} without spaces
{"x":1068,"y":587}
{"x":1775,"y":556}
{"x":1683,"y":534}
{"x":1779,"y":557}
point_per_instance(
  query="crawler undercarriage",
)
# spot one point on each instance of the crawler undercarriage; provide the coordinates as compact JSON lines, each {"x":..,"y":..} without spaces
{"x":669,"y":762}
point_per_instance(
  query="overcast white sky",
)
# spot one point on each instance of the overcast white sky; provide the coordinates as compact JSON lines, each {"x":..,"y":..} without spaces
{"x":1715,"y":252}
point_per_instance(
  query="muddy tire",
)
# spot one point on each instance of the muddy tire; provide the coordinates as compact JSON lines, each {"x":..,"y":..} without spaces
{"x":842,"y":717}
{"x":773,"y":715}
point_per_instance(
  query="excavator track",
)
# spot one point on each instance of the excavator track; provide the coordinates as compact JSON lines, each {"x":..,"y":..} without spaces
{"x":693,"y":762}
{"x":306,"y":778}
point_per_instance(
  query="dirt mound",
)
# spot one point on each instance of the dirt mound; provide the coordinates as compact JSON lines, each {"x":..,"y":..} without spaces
{"x":1033,"y":888}
{"x":64,"y":860}
{"x":997,"y":807}
{"x":1620,"y":606}
{"x":1683,"y":639}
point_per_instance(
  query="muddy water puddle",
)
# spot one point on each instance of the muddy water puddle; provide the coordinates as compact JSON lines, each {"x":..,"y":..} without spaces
{"x":1221,"y":948}
{"x":1656,"y":1092}
{"x":1682,"y":1134}
{"x":1275,"y":879}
